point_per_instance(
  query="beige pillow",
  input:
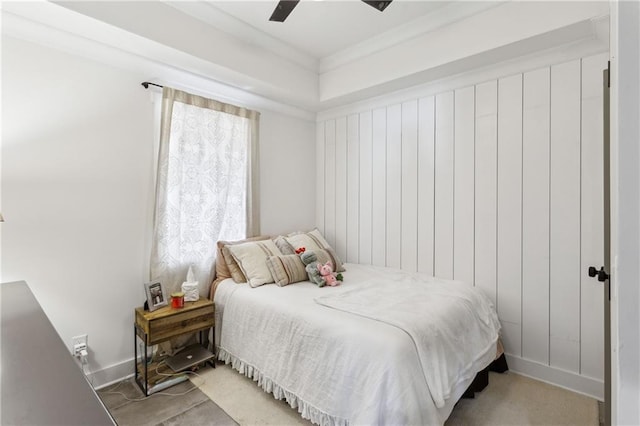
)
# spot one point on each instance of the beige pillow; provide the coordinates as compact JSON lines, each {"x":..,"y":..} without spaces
{"x":314,"y":241}
{"x":252,"y":260}
{"x":286,"y":269}
{"x":226,"y":266}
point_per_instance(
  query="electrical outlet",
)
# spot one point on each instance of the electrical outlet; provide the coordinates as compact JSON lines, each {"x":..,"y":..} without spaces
{"x":78,"y":343}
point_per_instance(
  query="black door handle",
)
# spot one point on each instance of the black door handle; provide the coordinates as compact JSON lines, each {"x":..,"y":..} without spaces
{"x":601,"y":274}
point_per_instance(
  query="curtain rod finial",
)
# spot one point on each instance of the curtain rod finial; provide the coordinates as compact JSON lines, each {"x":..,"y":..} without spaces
{"x":145,"y":84}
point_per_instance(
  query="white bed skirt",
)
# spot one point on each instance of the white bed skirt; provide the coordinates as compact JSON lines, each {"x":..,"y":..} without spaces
{"x":306,"y":410}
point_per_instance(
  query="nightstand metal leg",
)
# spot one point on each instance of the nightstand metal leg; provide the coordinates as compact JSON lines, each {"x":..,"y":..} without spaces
{"x":138,"y":378}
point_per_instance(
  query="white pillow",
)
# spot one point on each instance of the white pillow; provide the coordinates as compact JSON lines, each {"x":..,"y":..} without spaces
{"x":252,"y":260}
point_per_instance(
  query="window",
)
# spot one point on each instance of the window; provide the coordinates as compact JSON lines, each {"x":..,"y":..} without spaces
{"x":205,"y":189}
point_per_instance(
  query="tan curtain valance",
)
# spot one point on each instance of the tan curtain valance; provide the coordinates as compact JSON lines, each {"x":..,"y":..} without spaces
{"x":199,"y":101}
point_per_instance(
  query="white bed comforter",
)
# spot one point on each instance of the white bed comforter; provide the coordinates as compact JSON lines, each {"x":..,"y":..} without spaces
{"x":385,"y":347}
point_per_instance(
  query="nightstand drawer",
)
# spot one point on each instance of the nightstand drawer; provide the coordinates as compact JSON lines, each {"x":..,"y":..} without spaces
{"x":185,"y":322}
{"x":165,"y":323}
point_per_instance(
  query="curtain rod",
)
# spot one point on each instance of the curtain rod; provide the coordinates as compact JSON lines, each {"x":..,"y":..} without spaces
{"x":146,"y":84}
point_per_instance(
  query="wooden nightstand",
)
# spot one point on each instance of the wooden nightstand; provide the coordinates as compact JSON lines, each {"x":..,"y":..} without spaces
{"x":164,"y":324}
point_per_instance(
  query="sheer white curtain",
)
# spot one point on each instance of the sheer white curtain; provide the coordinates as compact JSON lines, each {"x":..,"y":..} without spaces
{"x":206,"y":188}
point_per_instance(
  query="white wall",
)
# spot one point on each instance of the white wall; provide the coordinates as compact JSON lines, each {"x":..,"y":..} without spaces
{"x":77,"y":141}
{"x":77,"y":188}
{"x":287,"y":173}
{"x":498,"y":183}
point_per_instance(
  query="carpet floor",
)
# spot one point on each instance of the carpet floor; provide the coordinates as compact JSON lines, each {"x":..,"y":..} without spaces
{"x":222,"y":396}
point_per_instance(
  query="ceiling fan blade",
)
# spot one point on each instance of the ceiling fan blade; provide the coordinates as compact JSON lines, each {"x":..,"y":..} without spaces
{"x":283,"y":9}
{"x":380,"y":5}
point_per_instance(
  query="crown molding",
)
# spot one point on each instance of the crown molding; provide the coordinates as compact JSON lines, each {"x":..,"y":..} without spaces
{"x":512,"y":30}
{"x":53,"y":26}
{"x":446,"y":15}
{"x":452,"y":12}
{"x":440,"y":82}
{"x":209,"y":14}
{"x":186,"y":42}
{"x":158,"y":56}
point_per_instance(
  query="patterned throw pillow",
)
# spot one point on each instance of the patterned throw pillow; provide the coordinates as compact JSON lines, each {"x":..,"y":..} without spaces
{"x":252,"y":260}
{"x":283,"y":245}
{"x":286,"y":269}
{"x":314,"y":241}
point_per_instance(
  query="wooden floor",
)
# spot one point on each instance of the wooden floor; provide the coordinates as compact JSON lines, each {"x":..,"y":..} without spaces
{"x":182,"y":404}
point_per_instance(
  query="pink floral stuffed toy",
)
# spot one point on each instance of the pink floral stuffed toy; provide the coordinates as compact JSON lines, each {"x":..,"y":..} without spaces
{"x":328,"y":274}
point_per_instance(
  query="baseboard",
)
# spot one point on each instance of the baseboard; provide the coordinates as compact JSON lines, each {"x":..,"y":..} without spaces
{"x":558,"y":377}
{"x":112,"y":374}
{"x":555,"y":376}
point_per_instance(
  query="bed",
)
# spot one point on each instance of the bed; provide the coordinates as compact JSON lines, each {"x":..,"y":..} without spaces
{"x":384,"y":347}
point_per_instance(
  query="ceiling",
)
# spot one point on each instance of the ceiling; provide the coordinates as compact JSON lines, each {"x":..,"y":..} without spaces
{"x":326,"y":54}
{"x":323,"y":28}
{"x":323,"y":34}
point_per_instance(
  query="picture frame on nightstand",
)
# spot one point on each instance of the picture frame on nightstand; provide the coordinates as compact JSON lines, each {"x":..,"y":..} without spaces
{"x":156,"y":296}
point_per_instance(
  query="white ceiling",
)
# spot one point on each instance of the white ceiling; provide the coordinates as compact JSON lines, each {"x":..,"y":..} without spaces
{"x":326,"y":54}
{"x":320,"y":35}
{"x":322,"y":28}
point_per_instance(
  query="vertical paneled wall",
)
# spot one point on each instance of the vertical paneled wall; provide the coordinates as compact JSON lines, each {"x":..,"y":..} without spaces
{"x":509,"y":215}
{"x":464,"y":185}
{"x":498,"y":184}
{"x":591,"y":219}
{"x":443,"y":182}
{"x":426,"y":184}
{"x":536,"y":115}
